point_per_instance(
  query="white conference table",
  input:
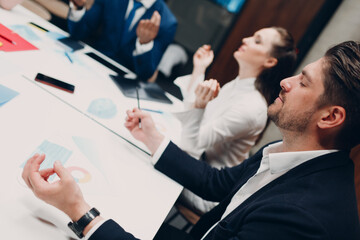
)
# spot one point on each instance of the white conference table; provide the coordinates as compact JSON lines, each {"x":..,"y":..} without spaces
{"x":114,"y":176}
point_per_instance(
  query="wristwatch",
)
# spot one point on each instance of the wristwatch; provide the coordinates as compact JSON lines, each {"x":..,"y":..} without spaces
{"x":79,"y":226}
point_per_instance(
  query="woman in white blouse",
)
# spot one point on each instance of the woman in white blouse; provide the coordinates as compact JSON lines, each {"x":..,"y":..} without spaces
{"x":221,"y":125}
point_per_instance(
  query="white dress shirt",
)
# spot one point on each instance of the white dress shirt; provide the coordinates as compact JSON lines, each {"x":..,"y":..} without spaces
{"x":76,"y":15}
{"x":228,"y":126}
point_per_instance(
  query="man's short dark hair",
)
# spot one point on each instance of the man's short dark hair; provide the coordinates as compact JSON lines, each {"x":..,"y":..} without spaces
{"x":342,"y":88}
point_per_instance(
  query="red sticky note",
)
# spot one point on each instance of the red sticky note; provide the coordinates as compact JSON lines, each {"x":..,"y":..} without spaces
{"x":12,"y":41}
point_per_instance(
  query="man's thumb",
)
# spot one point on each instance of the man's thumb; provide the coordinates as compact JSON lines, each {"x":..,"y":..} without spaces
{"x":60,"y":170}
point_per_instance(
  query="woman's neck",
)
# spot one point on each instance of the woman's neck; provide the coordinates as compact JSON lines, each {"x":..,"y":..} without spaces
{"x":248,"y":71}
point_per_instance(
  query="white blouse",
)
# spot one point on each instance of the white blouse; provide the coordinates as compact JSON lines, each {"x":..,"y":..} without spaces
{"x":228,"y":126}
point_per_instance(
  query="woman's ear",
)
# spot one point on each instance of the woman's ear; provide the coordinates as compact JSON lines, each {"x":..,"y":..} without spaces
{"x":332,"y":117}
{"x":270,"y":62}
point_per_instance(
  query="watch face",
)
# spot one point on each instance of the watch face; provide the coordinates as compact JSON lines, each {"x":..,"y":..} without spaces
{"x":75,"y":228}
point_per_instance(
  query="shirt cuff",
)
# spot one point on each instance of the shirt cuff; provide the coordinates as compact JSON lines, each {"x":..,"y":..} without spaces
{"x":94,"y":228}
{"x":142,"y":48}
{"x":160,"y":150}
{"x":184,"y":82}
{"x":74,"y":14}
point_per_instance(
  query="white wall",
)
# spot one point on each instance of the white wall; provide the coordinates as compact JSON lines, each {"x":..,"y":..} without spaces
{"x":343,"y":26}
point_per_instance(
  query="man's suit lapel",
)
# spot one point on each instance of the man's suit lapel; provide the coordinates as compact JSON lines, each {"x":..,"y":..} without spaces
{"x":213,"y":216}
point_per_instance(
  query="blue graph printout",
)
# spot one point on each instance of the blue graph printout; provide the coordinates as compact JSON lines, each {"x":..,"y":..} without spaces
{"x":53,"y":152}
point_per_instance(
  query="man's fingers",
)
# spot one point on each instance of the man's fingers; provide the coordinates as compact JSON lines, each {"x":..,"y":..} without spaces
{"x":140,"y":27}
{"x":148,"y":25}
{"x":156,"y":18}
{"x":46,"y":173}
{"x":129,"y":125}
{"x":79,"y":3}
{"x":136,"y":114}
{"x":32,"y":166}
{"x":26,"y":169}
{"x":153,"y":16}
{"x":37,"y":162}
{"x":130,"y":114}
{"x":35,"y":179}
{"x":61,"y":171}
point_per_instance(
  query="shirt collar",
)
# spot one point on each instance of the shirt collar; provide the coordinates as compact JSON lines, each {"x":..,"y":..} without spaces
{"x":147,"y":3}
{"x":245,"y":84}
{"x":285,"y":161}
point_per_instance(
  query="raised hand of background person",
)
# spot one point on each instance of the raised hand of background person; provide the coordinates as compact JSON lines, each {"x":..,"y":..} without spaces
{"x":148,"y":29}
{"x":202,"y":58}
{"x":205,"y":92}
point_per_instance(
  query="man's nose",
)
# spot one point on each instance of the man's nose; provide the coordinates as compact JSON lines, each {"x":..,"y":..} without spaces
{"x":285,"y":84}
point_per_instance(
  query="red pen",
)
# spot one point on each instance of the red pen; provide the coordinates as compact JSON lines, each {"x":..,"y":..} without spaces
{"x":7,"y":39}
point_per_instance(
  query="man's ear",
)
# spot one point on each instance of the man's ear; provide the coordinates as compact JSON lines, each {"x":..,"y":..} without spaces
{"x":332,"y":117}
{"x":270,"y":62}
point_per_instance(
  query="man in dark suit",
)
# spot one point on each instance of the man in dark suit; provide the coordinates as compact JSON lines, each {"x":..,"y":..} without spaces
{"x":300,"y":188}
{"x":134,"y":33}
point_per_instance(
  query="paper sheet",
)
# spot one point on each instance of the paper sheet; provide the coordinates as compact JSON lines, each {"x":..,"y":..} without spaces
{"x":6,"y":94}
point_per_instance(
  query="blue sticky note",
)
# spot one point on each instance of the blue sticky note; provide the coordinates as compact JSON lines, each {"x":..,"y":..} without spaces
{"x":102,"y":108}
{"x":25,"y":32}
{"x":6,"y":94}
{"x":53,"y":152}
{"x":55,"y":35}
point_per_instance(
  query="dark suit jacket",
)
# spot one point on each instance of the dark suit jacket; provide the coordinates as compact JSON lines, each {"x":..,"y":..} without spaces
{"x":108,"y":16}
{"x":315,"y":200}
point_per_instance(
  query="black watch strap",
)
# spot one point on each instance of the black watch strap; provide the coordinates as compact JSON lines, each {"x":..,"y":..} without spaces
{"x":79,"y":226}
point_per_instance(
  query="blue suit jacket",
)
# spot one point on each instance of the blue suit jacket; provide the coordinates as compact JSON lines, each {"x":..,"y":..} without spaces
{"x":315,"y":200}
{"x":108,"y":16}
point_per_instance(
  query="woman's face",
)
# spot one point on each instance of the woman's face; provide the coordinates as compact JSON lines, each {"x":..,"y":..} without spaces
{"x":255,"y":50}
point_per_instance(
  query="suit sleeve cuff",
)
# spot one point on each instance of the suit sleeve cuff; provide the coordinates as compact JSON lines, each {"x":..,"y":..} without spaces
{"x":74,"y":14}
{"x":142,"y":48}
{"x":155,"y":158}
{"x":94,"y":228}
